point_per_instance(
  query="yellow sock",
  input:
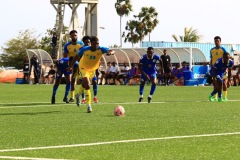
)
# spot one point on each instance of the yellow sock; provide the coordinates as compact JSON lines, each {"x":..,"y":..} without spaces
{"x":224,"y":94}
{"x":216,"y":96}
{"x":72,"y":94}
{"x":81,"y":90}
{"x":88,"y":96}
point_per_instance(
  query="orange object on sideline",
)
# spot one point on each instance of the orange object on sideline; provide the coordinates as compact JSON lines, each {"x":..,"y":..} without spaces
{"x":9,"y":76}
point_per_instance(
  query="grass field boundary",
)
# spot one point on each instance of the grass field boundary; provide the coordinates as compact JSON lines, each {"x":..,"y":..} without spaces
{"x":121,"y":141}
{"x":31,"y":158}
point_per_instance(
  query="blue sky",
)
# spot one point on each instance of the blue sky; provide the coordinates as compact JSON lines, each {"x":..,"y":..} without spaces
{"x":210,"y":17}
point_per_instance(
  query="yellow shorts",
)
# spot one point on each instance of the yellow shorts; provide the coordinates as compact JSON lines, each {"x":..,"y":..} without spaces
{"x":89,"y":74}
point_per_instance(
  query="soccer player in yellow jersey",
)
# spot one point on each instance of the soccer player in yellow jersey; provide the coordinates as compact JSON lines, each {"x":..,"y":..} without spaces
{"x":216,"y":53}
{"x":71,"y":49}
{"x":89,"y":62}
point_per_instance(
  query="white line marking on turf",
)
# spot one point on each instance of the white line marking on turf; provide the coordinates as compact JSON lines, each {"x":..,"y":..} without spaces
{"x":121,"y":141}
{"x":9,"y":157}
{"x":100,"y":103}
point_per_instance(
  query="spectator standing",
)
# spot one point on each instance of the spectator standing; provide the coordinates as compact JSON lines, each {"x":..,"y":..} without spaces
{"x":166,"y":63}
{"x":26,"y":70}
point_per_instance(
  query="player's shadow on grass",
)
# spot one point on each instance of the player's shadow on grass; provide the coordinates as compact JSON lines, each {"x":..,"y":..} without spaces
{"x":29,"y":113}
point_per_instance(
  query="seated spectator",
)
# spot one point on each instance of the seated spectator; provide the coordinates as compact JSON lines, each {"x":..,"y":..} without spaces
{"x":124,"y":74}
{"x":176,"y":75}
{"x":132,"y":73}
{"x":113,"y":73}
{"x":51,"y":75}
{"x":236,"y":77}
{"x":105,"y":73}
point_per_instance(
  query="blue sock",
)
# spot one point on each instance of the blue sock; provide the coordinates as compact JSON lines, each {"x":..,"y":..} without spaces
{"x":83,"y":95}
{"x":141,"y":90}
{"x":67,"y":90}
{"x":153,"y":88}
{"x":95,"y":89}
{"x":213,"y":93}
{"x":220,"y":94}
{"x":55,"y":87}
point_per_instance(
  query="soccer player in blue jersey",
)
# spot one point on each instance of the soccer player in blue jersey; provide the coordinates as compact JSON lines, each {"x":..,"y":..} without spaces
{"x":71,"y":49}
{"x":217,"y":71}
{"x":216,"y":53}
{"x":89,"y":62}
{"x":86,"y":41}
{"x":62,"y":66}
{"x":147,"y":67}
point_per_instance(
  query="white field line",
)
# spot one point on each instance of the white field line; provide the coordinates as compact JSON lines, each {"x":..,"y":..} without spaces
{"x":31,"y":158}
{"x":121,"y":141}
{"x":100,"y":103}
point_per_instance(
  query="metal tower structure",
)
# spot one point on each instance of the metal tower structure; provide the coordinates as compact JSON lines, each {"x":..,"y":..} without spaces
{"x":90,"y":22}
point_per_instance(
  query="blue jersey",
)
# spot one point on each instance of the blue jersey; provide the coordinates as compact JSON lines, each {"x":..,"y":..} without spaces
{"x":220,"y":67}
{"x":63,"y":64}
{"x":149,"y":64}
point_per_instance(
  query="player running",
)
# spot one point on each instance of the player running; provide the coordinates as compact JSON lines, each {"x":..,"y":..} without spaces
{"x":86,"y":41}
{"x":147,"y":67}
{"x":89,"y":62}
{"x":217,"y":71}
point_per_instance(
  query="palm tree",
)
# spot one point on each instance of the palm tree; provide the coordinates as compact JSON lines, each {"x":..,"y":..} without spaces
{"x":123,"y":7}
{"x":190,"y":35}
{"x":148,"y":19}
{"x":132,"y":35}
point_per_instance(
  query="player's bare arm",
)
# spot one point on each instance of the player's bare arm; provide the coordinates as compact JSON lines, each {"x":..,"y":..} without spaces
{"x":110,"y":52}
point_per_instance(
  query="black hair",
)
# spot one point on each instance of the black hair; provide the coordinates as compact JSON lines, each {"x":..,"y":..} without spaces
{"x":86,"y":38}
{"x":73,"y":31}
{"x":150,"y":48}
{"x":217,"y":37}
{"x":226,"y":54}
{"x":94,"y":39}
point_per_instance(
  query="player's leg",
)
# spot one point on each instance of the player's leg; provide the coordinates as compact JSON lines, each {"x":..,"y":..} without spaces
{"x":95,"y":89}
{"x":86,"y":83}
{"x":141,"y":88}
{"x":153,"y":87}
{"x":225,"y":82}
{"x":73,"y":82}
{"x":55,"y":86}
{"x":68,"y":86}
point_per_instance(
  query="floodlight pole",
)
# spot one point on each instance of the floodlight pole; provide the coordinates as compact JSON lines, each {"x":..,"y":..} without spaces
{"x":190,"y":58}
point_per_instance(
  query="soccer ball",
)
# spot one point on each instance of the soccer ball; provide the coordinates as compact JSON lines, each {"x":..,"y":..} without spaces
{"x":119,"y":111}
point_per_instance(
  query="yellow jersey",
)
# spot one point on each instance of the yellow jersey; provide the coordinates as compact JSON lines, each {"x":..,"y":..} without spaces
{"x":90,"y":59}
{"x":216,"y":53}
{"x":72,"y":49}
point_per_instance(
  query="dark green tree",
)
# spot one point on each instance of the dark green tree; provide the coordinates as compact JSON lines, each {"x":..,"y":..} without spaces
{"x":190,"y":35}
{"x":15,"y":50}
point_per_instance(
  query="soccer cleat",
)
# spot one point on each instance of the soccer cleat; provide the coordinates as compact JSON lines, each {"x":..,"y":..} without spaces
{"x":89,"y":109}
{"x":149,"y":99}
{"x":140,"y":99}
{"x":95,"y":99}
{"x":83,"y":101}
{"x":65,"y":100}
{"x":77,"y":99}
{"x":225,"y":99}
{"x":220,"y":100}
{"x":53,"y":100}
{"x":71,"y":100}
{"x":211,"y":98}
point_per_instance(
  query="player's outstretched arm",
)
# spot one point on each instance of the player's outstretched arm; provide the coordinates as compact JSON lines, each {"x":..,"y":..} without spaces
{"x":110,"y":52}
